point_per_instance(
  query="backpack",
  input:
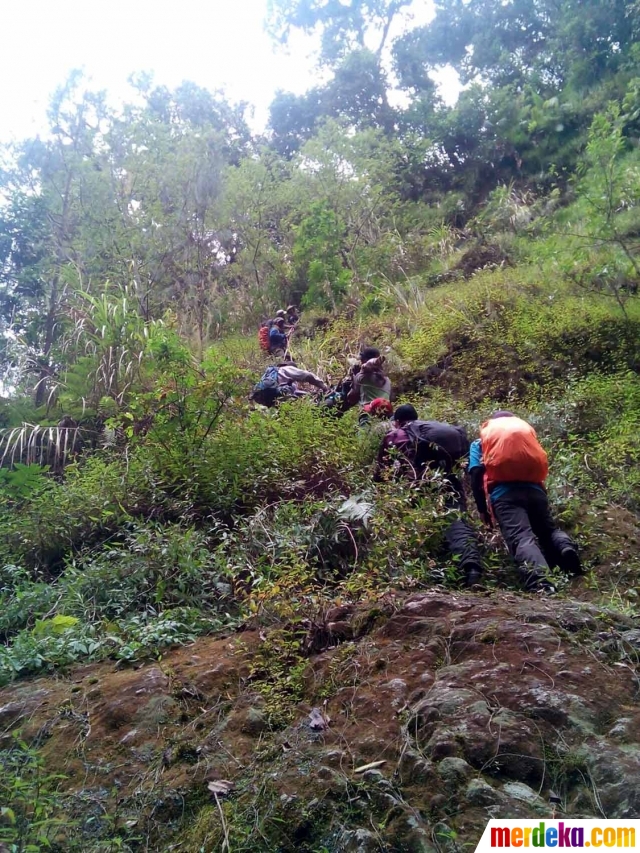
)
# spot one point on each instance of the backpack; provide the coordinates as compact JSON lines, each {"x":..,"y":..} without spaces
{"x":267,"y":390}
{"x":437,"y":445}
{"x":334,"y":402}
{"x":263,"y":337}
{"x":511,"y":452}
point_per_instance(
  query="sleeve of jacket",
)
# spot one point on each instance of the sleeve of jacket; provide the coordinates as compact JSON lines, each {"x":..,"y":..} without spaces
{"x":353,"y":397}
{"x":295,"y":374}
{"x":312,"y":379}
{"x":476,"y":476}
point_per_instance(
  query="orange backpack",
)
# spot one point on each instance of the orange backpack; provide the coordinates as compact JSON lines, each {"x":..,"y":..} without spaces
{"x":511,"y":452}
{"x":263,"y":338}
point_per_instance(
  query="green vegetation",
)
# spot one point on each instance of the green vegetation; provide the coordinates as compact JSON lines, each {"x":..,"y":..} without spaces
{"x":28,"y":821}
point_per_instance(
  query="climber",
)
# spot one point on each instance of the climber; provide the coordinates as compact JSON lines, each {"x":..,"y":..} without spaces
{"x":422,"y":446}
{"x":290,"y":317}
{"x":290,"y":374}
{"x":369,"y":382}
{"x":293,"y":315}
{"x":278,"y":340}
{"x":281,"y":382}
{"x":507,"y":468}
{"x":376,"y":414}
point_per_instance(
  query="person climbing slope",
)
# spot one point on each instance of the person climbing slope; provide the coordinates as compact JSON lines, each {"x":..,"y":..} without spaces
{"x":289,"y":373}
{"x":375,"y":415}
{"x":422,"y":446}
{"x":281,"y":382}
{"x":369,"y":379}
{"x":507,"y":468}
{"x":278,"y":340}
{"x":293,"y":315}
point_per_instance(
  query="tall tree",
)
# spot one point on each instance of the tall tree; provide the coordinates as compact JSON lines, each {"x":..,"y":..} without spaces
{"x":344,"y":26}
{"x":509,"y":42}
{"x":54,"y":188}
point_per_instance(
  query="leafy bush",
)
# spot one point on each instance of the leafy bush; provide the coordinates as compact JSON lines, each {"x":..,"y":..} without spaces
{"x":291,"y":556}
{"x":158,"y":586}
{"x":317,"y":254}
{"x":22,"y":600}
{"x":30,"y":652}
{"x":90,"y":505}
{"x":152,"y":569}
{"x":604,"y":417}
{"x":28,"y":821}
{"x":268,"y":455}
{"x":141,"y":636}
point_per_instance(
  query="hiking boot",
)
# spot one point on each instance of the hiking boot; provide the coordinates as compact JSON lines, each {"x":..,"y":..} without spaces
{"x":473,"y":575}
{"x":570,"y":561}
{"x":538,"y":583}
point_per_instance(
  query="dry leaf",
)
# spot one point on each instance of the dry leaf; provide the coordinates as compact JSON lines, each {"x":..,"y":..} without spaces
{"x":369,"y":766}
{"x":220,"y":786}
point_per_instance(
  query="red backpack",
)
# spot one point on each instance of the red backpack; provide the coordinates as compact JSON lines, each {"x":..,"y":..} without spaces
{"x":511,"y":452}
{"x":263,"y":337}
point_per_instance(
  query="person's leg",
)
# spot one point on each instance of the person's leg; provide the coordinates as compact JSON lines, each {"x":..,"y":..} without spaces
{"x":463,"y":543}
{"x":513,"y":519}
{"x":461,"y":539}
{"x":558,"y":546}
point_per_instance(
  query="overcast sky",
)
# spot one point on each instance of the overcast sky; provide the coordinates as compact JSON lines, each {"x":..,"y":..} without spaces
{"x":214,"y":43}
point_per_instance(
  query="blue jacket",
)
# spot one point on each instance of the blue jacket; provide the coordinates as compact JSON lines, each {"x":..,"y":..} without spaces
{"x":277,"y":339}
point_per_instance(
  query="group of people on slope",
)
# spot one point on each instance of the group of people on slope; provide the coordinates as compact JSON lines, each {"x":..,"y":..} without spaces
{"x":365,"y":383}
{"x":506,"y":467}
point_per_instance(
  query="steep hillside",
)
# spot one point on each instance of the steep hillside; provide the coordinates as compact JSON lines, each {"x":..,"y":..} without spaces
{"x":217,"y":632}
{"x":352,"y":696}
{"x":403,"y":726}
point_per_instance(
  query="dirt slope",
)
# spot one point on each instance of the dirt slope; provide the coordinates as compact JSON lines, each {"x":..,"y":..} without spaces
{"x":475,"y":706}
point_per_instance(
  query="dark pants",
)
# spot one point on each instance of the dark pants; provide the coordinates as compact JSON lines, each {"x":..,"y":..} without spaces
{"x":462,"y":540}
{"x":462,"y":543}
{"x":533,"y":539}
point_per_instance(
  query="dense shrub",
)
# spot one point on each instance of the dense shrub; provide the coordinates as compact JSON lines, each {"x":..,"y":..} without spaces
{"x":157,"y":586}
{"x":90,"y":505}
{"x":268,"y":455}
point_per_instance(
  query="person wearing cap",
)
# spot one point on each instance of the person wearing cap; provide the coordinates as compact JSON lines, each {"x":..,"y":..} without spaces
{"x":376,"y":414}
{"x":416,"y":447}
{"x":369,"y":379}
{"x":507,"y":469}
{"x":292,"y":315}
{"x":278,"y":340}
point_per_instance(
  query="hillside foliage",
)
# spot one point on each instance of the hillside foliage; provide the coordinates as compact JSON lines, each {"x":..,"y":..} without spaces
{"x":490,"y":248}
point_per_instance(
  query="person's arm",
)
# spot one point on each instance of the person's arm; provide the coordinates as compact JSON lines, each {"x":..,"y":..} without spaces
{"x":295,"y":374}
{"x":353,"y":397}
{"x":476,"y":476}
{"x":312,"y":379}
